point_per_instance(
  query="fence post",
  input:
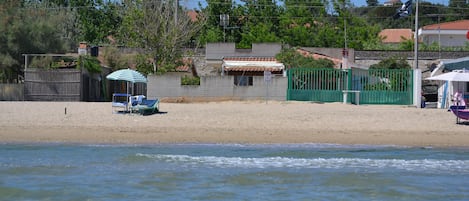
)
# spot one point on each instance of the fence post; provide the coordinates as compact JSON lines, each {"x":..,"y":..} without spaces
{"x":417,"y":83}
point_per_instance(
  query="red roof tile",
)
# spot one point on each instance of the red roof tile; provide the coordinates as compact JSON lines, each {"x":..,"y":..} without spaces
{"x":193,"y":15}
{"x":454,"y":25}
{"x":395,"y":35}
{"x":306,"y":53}
{"x":184,"y":68}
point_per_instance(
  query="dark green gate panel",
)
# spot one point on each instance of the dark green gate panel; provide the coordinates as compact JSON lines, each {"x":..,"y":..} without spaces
{"x":383,"y":86}
{"x":323,"y":85}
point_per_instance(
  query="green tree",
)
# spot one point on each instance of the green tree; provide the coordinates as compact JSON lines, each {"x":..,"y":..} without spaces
{"x":301,"y":21}
{"x":160,"y":28}
{"x":28,"y":27}
{"x":97,"y":19}
{"x":212,"y":30}
{"x":260,"y":23}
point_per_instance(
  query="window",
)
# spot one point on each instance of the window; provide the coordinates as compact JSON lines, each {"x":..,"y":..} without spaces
{"x":243,"y":80}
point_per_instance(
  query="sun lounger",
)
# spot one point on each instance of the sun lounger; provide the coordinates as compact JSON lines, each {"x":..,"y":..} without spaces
{"x":459,"y":109}
{"x":460,"y":112}
{"x":145,"y":106}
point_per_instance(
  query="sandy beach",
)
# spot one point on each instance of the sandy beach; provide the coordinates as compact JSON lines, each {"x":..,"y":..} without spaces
{"x":232,"y":122}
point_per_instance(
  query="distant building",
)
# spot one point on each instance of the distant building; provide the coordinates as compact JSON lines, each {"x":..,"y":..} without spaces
{"x":244,"y":68}
{"x":392,"y":2}
{"x":447,"y":34}
{"x":393,"y":36}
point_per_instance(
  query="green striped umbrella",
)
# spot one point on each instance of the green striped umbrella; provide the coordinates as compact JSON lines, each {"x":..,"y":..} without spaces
{"x":128,"y":75}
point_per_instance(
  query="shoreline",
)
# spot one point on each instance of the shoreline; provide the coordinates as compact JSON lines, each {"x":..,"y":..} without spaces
{"x":232,"y":122}
{"x":292,"y":145}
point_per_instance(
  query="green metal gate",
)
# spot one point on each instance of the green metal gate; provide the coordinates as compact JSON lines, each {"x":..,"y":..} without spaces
{"x":383,"y":86}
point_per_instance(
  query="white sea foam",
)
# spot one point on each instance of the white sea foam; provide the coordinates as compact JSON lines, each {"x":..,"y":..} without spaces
{"x":461,"y":166}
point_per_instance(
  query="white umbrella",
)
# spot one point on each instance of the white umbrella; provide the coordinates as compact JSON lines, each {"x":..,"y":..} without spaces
{"x":453,"y":76}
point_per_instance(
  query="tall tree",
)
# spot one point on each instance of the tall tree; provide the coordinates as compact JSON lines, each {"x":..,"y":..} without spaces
{"x":260,"y":23}
{"x":351,"y":31}
{"x":28,"y":27}
{"x":219,"y":15}
{"x":301,"y":21}
{"x":159,"y":28}
{"x":97,"y":19}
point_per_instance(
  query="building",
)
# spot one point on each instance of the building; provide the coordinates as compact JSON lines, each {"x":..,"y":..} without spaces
{"x":244,"y":68}
{"x":395,"y":36}
{"x":392,"y":2}
{"x":446,"y":34}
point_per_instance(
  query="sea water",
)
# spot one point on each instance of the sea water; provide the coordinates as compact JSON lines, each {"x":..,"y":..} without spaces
{"x":232,"y":172}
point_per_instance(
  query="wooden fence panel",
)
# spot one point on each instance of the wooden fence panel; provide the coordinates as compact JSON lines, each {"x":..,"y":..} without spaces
{"x":52,"y":85}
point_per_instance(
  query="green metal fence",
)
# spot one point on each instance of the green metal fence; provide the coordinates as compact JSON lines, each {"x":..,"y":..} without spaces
{"x":384,"y":86}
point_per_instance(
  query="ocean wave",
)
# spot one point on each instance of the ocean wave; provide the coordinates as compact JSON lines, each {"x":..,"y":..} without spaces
{"x":460,"y":166}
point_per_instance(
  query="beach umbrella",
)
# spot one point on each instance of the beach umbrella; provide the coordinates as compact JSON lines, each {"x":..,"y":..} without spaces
{"x":128,"y":75}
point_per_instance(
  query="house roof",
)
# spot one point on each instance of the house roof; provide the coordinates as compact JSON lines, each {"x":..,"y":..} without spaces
{"x":395,"y":35}
{"x":307,"y":53}
{"x":185,"y":66}
{"x":391,"y":2}
{"x":252,"y":64}
{"x":193,"y":15}
{"x":454,"y":25}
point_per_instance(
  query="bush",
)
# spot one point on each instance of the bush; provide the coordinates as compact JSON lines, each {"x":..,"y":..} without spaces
{"x":90,"y":63}
{"x":190,"y":80}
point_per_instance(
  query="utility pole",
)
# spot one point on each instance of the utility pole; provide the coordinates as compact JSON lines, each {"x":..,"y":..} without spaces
{"x":416,"y":38}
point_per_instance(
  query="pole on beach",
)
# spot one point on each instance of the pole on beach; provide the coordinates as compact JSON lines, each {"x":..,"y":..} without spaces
{"x":267,"y":78}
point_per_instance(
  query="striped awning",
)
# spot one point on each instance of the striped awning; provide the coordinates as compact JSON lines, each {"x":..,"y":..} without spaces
{"x":252,"y":64}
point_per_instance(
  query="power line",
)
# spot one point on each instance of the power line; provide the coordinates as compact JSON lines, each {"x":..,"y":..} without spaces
{"x":441,"y":9}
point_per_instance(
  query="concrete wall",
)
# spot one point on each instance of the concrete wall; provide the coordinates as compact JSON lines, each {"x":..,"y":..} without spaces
{"x":423,"y":55}
{"x":446,"y":40}
{"x":11,"y":92}
{"x":216,"y":88}
{"x":216,"y":51}
{"x":426,"y":58}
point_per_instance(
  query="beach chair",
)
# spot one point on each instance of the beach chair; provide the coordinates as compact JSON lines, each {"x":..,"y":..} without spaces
{"x":120,"y":102}
{"x":144,"y":106}
{"x":459,"y":108}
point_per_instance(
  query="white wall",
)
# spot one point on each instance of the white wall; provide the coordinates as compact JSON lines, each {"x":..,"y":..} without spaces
{"x":169,"y":86}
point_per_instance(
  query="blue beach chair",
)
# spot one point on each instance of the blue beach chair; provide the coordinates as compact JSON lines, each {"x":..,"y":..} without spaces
{"x":143,"y":106}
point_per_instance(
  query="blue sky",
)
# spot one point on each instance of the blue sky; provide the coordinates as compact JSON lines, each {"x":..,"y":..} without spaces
{"x":194,"y":3}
